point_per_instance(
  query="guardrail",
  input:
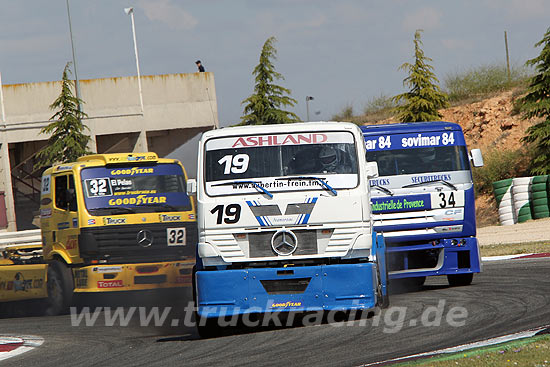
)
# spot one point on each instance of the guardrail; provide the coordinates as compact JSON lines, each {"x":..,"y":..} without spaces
{"x":29,"y":237}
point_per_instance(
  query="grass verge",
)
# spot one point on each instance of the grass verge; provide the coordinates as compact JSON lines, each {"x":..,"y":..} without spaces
{"x":533,"y":352}
{"x":515,"y":248}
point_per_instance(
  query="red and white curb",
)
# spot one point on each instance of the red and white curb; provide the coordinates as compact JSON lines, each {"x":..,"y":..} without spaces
{"x":464,"y":347}
{"x":14,"y":345}
{"x":514,"y":257}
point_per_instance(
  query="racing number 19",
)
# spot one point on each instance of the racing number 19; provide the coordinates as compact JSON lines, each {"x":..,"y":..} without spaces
{"x":232,"y":213}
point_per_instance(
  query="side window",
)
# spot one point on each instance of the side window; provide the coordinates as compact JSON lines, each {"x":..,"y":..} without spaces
{"x":65,"y":194}
{"x":60,"y":184}
{"x":72,"y":195}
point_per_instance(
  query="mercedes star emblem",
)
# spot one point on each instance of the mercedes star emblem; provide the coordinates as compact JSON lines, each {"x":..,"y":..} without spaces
{"x":145,"y":238}
{"x":284,"y":242}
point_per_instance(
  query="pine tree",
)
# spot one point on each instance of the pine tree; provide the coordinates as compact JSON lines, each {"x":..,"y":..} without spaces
{"x":425,"y":97}
{"x":264,"y":106}
{"x":536,"y":104}
{"x":67,"y":141}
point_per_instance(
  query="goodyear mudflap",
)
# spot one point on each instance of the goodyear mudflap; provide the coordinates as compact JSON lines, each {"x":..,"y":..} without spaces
{"x":112,"y":278}
{"x":299,"y":289}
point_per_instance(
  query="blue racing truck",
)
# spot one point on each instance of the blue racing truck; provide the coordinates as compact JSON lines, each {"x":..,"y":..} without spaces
{"x":423,"y":200}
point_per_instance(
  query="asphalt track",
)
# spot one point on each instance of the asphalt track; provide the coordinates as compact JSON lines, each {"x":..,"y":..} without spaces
{"x":509,"y":296}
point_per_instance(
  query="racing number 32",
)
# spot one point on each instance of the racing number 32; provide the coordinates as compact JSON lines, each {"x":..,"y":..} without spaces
{"x":232,"y":213}
{"x":447,"y":201}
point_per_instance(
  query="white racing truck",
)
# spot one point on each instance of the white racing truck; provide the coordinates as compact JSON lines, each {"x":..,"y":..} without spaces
{"x":285,"y":222}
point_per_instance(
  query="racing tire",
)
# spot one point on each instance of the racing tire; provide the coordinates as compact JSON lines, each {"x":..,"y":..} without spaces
{"x":540,"y":203}
{"x":521,"y":181}
{"x":506,"y":203}
{"x":501,"y":191}
{"x":502,"y":183}
{"x":383,"y":301}
{"x":540,"y":179}
{"x":506,"y":216}
{"x":521,"y":196}
{"x":505,"y":210}
{"x":418,"y":281}
{"x":507,"y":222}
{"x":520,"y":189}
{"x":538,"y":195}
{"x":539,"y":187}
{"x":208,"y":328}
{"x":458,"y":280}
{"x":59,"y":288}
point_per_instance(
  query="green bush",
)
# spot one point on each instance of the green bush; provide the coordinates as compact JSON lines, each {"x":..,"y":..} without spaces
{"x":377,"y":109}
{"x":379,"y":104}
{"x":345,"y":115}
{"x":498,"y":165}
{"x":481,"y":81}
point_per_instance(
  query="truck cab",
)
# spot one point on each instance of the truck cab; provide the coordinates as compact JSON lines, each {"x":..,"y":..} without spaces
{"x":423,"y":200}
{"x":285,"y":221}
{"x":116,"y":222}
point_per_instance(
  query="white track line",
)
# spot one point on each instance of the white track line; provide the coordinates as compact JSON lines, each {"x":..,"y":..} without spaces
{"x":463,"y":347}
{"x":503,"y":257}
{"x":29,"y":343}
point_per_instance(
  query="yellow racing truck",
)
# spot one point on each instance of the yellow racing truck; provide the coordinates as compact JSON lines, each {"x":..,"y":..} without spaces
{"x":109,"y":222}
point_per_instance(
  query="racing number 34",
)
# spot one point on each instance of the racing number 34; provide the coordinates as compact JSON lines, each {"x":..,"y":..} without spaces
{"x":232,"y":213}
{"x":447,"y":201}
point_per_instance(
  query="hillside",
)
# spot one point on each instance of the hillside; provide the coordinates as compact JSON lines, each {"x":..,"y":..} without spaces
{"x":487,"y":124}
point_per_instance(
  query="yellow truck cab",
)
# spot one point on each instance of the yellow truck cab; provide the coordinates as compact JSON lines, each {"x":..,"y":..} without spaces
{"x":116,"y":222}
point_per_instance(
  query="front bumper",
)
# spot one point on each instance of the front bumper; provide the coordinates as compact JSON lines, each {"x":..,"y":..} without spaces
{"x":131,"y":277}
{"x":460,"y":258}
{"x":298,"y":289}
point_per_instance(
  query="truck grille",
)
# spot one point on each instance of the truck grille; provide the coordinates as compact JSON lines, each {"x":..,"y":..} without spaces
{"x":150,"y":279}
{"x":118,"y":244}
{"x":260,"y":243}
{"x":285,"y":286}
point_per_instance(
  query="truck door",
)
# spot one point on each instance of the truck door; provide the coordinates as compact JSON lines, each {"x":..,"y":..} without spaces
{"x":65,"y":213}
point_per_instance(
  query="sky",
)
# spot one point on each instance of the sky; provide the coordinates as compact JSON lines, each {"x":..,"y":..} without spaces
{"x":342,"y":53}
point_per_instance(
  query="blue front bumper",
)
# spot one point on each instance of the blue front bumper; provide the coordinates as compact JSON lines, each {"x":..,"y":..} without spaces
{"x":455,"y":259}
{"x":305,"y":288}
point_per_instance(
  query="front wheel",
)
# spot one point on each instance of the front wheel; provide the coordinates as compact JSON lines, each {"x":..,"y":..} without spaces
{"x":208,"y":328}
{"x":383,"y":299}
{"x":60,"y":288}
{"x":456,"y":280}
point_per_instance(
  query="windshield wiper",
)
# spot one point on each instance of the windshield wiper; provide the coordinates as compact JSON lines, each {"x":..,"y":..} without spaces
{"x":318,"y":179}
{"x":447,"y":183}
{"x":254,"y":183}
{"x":383,"y":189}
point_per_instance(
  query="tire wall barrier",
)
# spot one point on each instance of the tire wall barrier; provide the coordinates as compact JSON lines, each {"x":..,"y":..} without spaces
{"x":521,"y":195}
{"x":539,"y":197}
{"x":522,"y":198}
{"x":503,"y":195}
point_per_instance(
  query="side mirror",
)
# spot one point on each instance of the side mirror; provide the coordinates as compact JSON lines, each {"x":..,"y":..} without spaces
{"x":476,"y":157}
{"x":191,"y":186}
{"x":372,"y":170}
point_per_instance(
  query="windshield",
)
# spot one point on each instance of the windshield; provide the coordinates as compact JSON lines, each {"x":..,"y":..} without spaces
{"x":420,"y":160}
{"x":232,"y":162}
{"x":134,"y":189}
